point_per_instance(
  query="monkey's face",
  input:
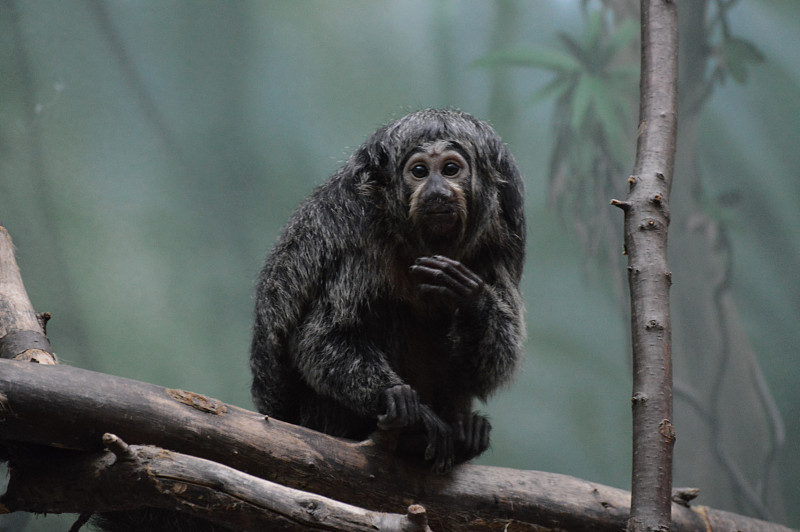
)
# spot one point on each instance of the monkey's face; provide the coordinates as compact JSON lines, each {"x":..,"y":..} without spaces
{"x":437,"y":177}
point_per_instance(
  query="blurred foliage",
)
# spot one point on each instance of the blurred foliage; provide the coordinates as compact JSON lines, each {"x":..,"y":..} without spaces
{"x":151,"y":151}
{"x":734,"y":56}
{"x":591,"y":87}
{"x":594,"y":84}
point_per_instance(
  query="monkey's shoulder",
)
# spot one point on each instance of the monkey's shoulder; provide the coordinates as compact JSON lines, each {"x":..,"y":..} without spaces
{"x":334,"y":213}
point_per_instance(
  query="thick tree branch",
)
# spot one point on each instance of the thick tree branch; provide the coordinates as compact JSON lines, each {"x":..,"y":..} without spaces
{"x":71,"y":408}
{"x":646,"y":221}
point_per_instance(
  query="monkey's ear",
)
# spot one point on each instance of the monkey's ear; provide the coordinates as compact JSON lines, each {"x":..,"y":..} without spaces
{"x":510,"y":187}
{"x":374,"y":160}
{"x":512,"y":190}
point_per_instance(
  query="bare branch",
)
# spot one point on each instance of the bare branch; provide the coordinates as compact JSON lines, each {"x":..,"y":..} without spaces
{"x":126,"y":476}
{"x":646,"y":222}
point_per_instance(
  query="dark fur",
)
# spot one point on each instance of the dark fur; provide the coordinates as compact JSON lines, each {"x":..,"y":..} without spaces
{"x":339,"y":318}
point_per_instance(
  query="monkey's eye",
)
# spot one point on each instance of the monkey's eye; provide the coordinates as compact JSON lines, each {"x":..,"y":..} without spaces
{"x":450,"y":169}
{"x":419,"y":171}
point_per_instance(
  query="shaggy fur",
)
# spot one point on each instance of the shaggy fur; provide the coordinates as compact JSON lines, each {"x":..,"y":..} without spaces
{"x":339,"y":319}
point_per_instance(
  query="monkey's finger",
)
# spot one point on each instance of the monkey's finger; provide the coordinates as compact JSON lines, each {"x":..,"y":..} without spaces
{"x":440,"y":447}
{"x":441,"y":453}
{"x":459,"y":435}
{"x":449,"y":453}
{"x":408,"y":404}
{"x":441,"y":291}
{"x":391,"y":404}
{"x":389,"y":418}
{"x":455,"y":269}
{"x":440,"y":266}
{"x":386,"y":421}
{"x":441,"y":273}
{"x":401,"y":407}
{"x":437,"y":277}
{"x":440,"y":441}
{"x":412,"y":406}
{"x":460,"y":268}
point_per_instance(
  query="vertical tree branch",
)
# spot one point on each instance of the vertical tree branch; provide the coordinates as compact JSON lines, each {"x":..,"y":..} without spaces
{"x":21,"y":331}
{"x":646,"y":223}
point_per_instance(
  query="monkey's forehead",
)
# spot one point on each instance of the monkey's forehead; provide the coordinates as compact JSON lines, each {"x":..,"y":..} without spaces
{"x":438,"y":147}
{"x":432,"y":125}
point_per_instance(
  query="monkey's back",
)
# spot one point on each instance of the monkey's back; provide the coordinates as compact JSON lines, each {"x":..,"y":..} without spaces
{"x":319,"y":244}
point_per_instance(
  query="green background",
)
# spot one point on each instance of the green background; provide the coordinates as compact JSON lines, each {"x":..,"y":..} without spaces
{"x":151,"y":151}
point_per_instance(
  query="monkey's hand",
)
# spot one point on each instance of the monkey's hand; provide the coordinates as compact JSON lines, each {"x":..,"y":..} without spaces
{"x":402,"y":407}
{"x":439,"y":450}
{"x":471,"y":435}
{"x":448,"y":279}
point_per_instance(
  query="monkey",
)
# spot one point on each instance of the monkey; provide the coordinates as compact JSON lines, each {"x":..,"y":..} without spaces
{"x":391,"y":299}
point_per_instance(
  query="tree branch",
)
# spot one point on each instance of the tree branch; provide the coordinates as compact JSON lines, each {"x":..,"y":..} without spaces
{"x":70,"y":409}
{"x":127,"y":477}
{"x":21,"y":331}
{"x":646,"y":221}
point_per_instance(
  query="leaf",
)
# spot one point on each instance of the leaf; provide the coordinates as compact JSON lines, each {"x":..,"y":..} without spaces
{"x":581,"y":55}
{"x":556,"y":88}
{"x":612,"y":121}
{"x":739,"y":54}
{"x":581,"y":101}
{"x":594,"y":30}
{"x":545,"y":58}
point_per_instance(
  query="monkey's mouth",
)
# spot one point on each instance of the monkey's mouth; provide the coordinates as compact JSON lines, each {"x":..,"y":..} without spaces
{"x":441,"y":219}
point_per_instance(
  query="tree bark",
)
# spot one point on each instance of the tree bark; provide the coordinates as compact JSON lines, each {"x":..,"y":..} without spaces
{"x":646,"y":223}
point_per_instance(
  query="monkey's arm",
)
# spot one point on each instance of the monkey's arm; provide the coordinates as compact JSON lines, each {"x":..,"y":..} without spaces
{"x":488,"y":326}
{"x":492,"y":332}
{"x":488,"y":332}
{"x":338,"y":360}
{"x":336,"y":357}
